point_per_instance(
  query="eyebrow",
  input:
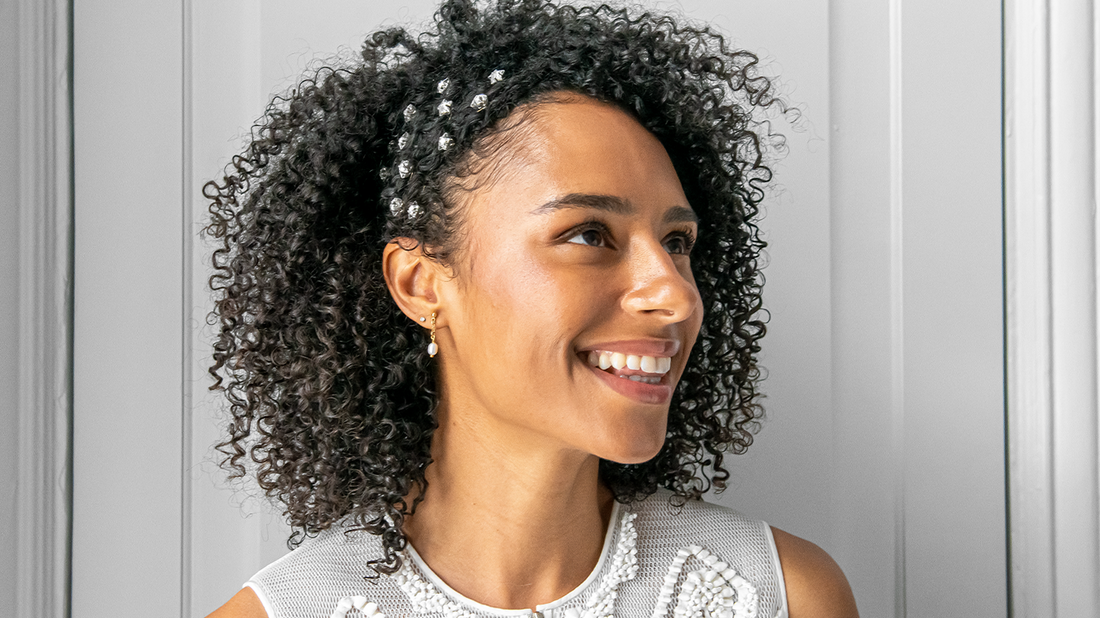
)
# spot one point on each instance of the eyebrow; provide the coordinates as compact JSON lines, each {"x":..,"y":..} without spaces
{"x":612,"y":204}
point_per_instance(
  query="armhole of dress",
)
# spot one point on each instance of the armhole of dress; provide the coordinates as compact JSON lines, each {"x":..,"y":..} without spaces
{"x":782,"y":611}
{"x":262,"y":596}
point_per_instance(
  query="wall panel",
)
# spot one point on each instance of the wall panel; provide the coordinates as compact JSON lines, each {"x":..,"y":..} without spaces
{"x":128,"y":347}
{"x":917,"y":343}
{"x":952,"y":307}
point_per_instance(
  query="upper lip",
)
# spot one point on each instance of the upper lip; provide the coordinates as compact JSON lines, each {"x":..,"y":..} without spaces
{"x":638,"y":347}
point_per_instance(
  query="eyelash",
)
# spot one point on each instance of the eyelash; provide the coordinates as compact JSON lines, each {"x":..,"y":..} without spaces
{"x":687,"y":237}
{"x":595,"y":225}
{"x":592,"y":225}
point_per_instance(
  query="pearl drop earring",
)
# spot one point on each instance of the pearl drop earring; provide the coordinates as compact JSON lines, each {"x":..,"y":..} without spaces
{"x":433,"y":347}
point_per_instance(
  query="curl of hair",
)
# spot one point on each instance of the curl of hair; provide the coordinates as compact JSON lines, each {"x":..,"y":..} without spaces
{"x":331,"y":393}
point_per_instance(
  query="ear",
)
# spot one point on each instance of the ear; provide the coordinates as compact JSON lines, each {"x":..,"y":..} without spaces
{"x":412,"y":277}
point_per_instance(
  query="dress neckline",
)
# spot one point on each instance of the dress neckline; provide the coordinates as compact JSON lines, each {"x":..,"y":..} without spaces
{"x":612,"y":531}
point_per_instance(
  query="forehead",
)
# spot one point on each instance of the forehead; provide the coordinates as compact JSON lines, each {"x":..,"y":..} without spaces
{"x":582,"y":146}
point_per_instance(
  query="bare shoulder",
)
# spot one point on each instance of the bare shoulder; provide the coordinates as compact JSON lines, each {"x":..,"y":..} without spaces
{"x":244,"y":604}
{"x":816,"y":587}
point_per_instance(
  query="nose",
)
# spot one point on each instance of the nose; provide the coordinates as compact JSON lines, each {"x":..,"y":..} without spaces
{"x":659,"y":288}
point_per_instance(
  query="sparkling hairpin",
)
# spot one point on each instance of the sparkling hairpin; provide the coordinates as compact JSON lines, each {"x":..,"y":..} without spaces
{"x":445,"y":142}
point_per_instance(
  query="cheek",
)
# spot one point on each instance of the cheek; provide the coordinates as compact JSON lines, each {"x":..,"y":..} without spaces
{"x":531,"y":298}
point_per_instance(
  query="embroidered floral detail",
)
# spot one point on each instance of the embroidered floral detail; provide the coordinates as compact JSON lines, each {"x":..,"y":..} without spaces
{"x":624,"y":566}
{"x":409,"y":112}
{"x":426,"y":598}
{"x":366,"y":608}
{"x":445,"y":141}
{"x":496,"y":76}
{"x":444,"y":107}
{"x":715,"y":590}
{"x":480,"y":102}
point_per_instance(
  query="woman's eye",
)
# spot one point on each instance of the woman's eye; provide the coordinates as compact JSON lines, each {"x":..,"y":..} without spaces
{"x":590,"y":237}
{"x":679,"y":244}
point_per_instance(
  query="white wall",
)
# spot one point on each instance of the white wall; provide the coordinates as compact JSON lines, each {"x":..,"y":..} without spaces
{"x":884,"y":442}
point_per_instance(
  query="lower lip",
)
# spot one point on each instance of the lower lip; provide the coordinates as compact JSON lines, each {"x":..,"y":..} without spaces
{"x":659,"y":393}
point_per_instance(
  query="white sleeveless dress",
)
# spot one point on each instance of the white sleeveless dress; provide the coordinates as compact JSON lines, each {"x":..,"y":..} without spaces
{"x":658,"y":561}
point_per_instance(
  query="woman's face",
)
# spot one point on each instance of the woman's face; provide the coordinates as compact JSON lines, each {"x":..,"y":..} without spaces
{"x":576,"y":256}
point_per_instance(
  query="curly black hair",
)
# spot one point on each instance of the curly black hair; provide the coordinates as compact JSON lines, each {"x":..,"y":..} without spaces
{"x":331,"y":394}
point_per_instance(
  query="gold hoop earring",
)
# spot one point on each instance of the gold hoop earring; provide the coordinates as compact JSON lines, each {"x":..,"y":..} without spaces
{"x":433,"y":347}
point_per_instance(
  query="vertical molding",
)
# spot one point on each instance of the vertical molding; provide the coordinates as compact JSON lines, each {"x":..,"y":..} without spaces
{"x":1073,"y":285}
{"x":897,"y":302}
{"x":44,"y":498}
{"x":1028,"y":308}
{"x":186,"y":311}
{"x":1096,"y":199}
{"x":1050,"y":296}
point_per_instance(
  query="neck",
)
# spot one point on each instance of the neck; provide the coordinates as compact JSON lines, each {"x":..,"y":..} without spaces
{"x":509,"y":526}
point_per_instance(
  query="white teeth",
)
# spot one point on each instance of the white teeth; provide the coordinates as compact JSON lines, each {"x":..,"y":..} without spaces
{"x":649,"y":364}
{"x":645,"y":379}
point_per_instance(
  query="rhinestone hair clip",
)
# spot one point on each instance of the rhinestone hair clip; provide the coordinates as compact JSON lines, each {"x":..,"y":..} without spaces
{"x":405,"y":165}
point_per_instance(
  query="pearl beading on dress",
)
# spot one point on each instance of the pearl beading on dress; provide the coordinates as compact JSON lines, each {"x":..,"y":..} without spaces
{"x":714,"y":590}
{"x":425,"y":597}
{"x":624,"y":566}
{"x":366,"y":608}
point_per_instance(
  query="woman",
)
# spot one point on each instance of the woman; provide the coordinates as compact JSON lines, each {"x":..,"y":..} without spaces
{"x":488,"y":306}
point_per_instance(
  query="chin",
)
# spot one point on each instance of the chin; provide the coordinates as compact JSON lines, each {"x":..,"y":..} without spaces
{"x":633,"y":449}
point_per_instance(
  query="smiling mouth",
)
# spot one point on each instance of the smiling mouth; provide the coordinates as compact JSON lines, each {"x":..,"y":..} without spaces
{"x":633,"y":367}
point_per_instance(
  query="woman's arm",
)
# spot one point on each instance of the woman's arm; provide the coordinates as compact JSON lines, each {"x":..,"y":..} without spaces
{"x":816,"y":587}
{"x":244,"y":604}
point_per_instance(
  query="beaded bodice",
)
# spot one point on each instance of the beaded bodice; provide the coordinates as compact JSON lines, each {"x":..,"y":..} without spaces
{"x":658,"y":561}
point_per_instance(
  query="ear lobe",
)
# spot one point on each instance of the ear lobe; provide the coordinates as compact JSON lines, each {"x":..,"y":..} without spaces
{"x":411,"y":277}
